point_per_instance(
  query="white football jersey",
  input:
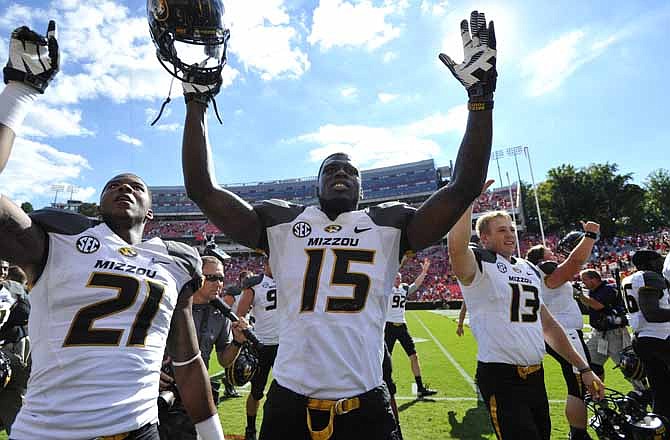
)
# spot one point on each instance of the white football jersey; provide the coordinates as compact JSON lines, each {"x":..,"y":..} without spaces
{"x":99,"y":320}
{"x":631,"y":288}
{"x":334,"y":277}
{"x":560,"y":301}
{"x":504,"y":304}
{"x":266,"y":325}
{"x":397,"y":300}
{"x":666,"y":267}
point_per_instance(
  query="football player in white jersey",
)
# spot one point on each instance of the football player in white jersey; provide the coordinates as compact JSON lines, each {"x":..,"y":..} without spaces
{"x":557,"y":296}
{"x":102,"y":301}
{"x":648,"y":302}
{"x":666,"y":267}
{"x":260,"y":292}
{"x":510,"y":323}
{"x":334,"y":264}
{"x":396,"y":325}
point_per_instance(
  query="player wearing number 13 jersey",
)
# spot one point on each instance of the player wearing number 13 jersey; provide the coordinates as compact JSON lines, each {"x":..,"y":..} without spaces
{"x":648,"y":302}
{"x":510,"y":323}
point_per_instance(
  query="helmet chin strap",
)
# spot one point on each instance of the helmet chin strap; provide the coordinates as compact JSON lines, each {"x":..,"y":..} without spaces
{"x":165,"y":103}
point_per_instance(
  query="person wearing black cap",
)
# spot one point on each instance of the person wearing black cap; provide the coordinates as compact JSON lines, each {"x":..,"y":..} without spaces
{"x":648,"y":302}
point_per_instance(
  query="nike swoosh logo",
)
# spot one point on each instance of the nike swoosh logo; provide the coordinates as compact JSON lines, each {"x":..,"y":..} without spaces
{"x":358,"y":231}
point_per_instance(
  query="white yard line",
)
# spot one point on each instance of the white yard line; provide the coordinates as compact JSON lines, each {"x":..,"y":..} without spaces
{"x":448,"y":355}
{"x":459,"y":399}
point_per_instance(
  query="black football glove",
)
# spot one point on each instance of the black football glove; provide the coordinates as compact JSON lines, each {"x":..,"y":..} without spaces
{"x":477,"y":72}
{"x":33,"y":58}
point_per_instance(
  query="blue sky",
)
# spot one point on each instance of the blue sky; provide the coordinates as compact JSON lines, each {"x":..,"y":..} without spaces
{"x":579,"y":82}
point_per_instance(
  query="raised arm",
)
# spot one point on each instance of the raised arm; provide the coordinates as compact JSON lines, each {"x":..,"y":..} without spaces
{"x":477,"y":73}
{"x":567,"y":270}
{"x":461,"y":257}
{"x":235,"y":217}
{"x":422,"y":276}
{"x":21,"y":241}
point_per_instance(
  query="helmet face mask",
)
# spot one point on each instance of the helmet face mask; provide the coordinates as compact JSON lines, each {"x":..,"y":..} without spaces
{"x":190,"y":37}
{"x":243,"y":368}
{"x":569,"y":242}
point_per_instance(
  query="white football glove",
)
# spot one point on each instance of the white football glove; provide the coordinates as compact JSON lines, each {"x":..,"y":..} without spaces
{"x":477,"y":72}
{"x":33,"y":58}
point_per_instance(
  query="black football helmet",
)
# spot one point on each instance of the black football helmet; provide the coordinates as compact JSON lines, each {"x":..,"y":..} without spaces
{"x":569,"y":242}
{"x":617,"y":417}
{"x":244,"y":367}
{"x":194,"y":22}
{"x":630,"y":364}
{"x":648,"y":259}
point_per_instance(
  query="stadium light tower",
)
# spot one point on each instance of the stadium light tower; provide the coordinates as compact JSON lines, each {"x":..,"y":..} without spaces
{"x":57,"y":188}
{"x":497,"y":155}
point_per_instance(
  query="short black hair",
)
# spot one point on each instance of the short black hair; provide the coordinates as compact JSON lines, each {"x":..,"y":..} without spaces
{"x":344,"y":155}
{"x":119,"y":176}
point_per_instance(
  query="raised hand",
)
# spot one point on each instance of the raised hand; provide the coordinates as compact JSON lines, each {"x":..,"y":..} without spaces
{"x":33,"y":58}
{"x":477,"y":72}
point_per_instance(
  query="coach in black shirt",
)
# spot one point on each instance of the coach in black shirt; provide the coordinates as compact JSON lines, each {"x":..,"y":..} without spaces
{"x":609,"y":335}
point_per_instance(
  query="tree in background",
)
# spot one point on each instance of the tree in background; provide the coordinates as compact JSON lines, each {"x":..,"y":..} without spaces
{"x":89,"y":209}
{"x":27,"y":207}
{"x":597,"y":192}
{"x":657,"y":198}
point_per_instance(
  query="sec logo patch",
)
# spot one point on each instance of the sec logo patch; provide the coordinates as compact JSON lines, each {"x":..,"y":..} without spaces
{"x":302,"y":229}
{"x":87,"y":244}
{"x":502,"y":268}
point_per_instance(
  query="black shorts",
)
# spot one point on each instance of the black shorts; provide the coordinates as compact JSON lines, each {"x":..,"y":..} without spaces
{"x":266,"y":359}
{"x":518,"y":407}
{"x":398,"y":332}
{"x":285,"y":417}
{"x":655,"y":356}
{"x":572,"y":380}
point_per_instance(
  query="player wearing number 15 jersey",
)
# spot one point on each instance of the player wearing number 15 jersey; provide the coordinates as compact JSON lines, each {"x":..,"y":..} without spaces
{"x":334,"y":265}
{"x":510,"y":323}
{"x":396,"y":326}
{"x":648,"y":302}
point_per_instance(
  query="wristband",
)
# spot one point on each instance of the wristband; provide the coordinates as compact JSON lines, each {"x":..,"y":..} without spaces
{"x":237,"y":343}
{"x":183,"y":364}
{"x":210,"y":429}
{"x":584,"y":370}
{"x":479,"y":106}
{"x":592,"y":235}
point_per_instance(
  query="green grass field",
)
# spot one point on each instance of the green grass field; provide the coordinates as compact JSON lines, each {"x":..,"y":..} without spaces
{"x":448,"y":364}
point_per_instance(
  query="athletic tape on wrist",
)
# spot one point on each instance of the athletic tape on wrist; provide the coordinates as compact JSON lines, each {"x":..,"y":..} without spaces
{"x":15,"y":103}
{"x":210,"y":429}
{"x":181,"y":364}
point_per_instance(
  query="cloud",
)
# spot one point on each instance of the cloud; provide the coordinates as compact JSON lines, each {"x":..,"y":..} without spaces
{"x":366,"y":24}
{"x":128,"y":139}
{"x":31,"y":173}
{"x":349,"y":92}
{"x":548,"y":67}
{"x":169,"y":127}
{"x":436,"y":8}
{"x":45,"y":121}
{"x":384,"y":146}
{"x":389,"y":56}
{"x":385,"y":98}
{"x":263,"y":39}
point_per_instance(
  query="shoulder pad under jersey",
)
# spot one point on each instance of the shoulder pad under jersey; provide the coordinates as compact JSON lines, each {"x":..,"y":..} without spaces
{"x":62,"y":222}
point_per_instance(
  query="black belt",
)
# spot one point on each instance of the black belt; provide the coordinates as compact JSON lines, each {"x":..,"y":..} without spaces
{"x":523,"y":371}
